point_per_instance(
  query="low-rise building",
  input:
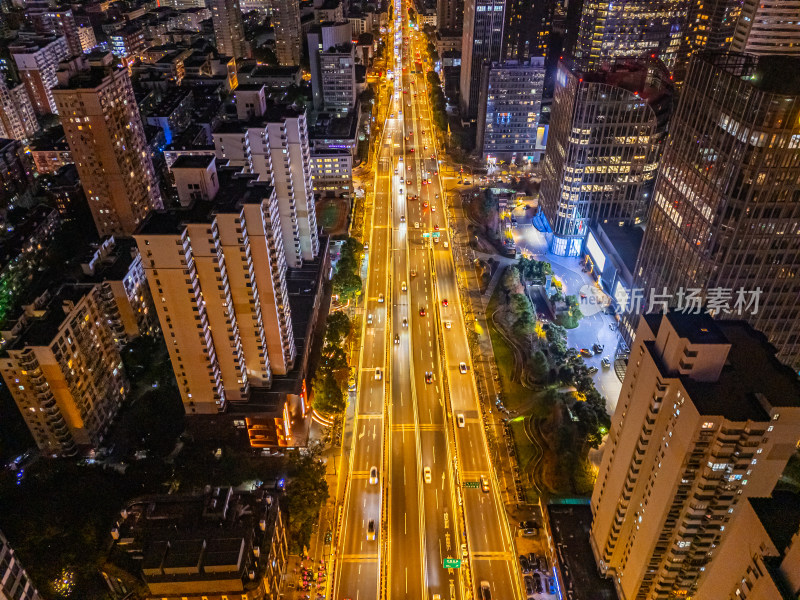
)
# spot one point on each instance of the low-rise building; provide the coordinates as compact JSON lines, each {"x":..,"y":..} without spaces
{"x":219,"y":544}
{"x":332,"y":172}
{"x":51,"y":152}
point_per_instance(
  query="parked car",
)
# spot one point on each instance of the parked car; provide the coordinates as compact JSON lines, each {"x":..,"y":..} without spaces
{"x":537,"y":579}
{"x":598,"y":348}
{"x":585,"y":352}
{"x":592,"y":370}
{"x":606,"y":362}
{"x":530,"y":589}
{"x":524,"y":565}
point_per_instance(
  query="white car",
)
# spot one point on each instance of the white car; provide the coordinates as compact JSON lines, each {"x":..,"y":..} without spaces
{"x":380,"y":297}
{"x":403,"y":286}
{"x":373,"y":475}
{"x":460,"y":420}
{"x":446,"y":245}
{"x":426,"y":474}
{"x":462,"y":366}
{"x":416,"y":225}
{"x":448,"y":325}
{"x":378,"y":374}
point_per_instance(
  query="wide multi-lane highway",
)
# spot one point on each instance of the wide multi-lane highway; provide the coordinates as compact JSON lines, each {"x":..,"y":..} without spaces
{"x":417,"y":423}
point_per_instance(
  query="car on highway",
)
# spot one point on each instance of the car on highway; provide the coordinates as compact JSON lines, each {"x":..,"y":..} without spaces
{"x":460,"y":420}
{"x":444,"y":302}
{"x":428,"y":377}
{"x":373,"y":475}
{"x":405,"y":322}
{"x":462,"y":366}
{"x":380,"y":298}
{"x":416,"y":224}
{"x":369,"y":319}
{"x":585,"y":352}
{"x":414,"y":271}
{"x":486,"y":592}
{"x":484,"y":483}
{"x":448,"y":325}
{"x":371,"y":530}
{"x":378,"y":374}
{"x":403,"y":286}
{"x":401,"y":191}
{"x":446,"y":245}
{"x":396,"y":339}
{"x":351,"y":384}
{"x":421,"y":311}
{"x":426,"y":474}
{"x":402,"y":218}
{"x":606,"y":362}
{"x":425,"y":204}
{"x":433,"y":209}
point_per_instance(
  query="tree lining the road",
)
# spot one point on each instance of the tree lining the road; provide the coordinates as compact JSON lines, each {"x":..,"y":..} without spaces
{"x":346,"y":281}
{"x":331,"y":379}
{"x":572,"y":422}
{"x":306,"y":492}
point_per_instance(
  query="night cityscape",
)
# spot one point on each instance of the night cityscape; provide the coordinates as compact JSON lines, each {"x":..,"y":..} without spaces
{"x":400,"y":299}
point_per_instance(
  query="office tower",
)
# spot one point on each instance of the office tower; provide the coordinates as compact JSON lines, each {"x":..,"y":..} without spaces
{"x":221,"y":298}
{"x":449,"y":15}
{"x":637,"y":28}
{"x":509,"y":110}
{"x":62,"y":22}
{"x":37,"y":62}
{"x":226,"y":15}
{"x":481,"y":44}
{"x":759,"y":557}
{"x":725,"y":211}
{"x":709,"y":27}
{"x":14,"y":580}
{"x":286,"y":22}
{"x":105,"y":134}
{"x":606,"y":132}
{"x":275,"y":148}
{"x":65,"y":372}
{"x":17,"y":117}
{"x":332,"y":61}
{"x":527,"y":28}
{"x":707,"y":418}
{"x":768,"y":27}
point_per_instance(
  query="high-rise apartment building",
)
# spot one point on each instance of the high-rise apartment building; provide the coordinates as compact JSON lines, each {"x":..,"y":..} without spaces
{"x":527,"y":29}
{"x":725,"y":213}
{"x":37,"y":62}
{"x":759,"y":557}
{"x":217,"y":272}
{"x":449,"y":15}
{"x":481,"y":44}
{"x":768,"y":27}
{"x":332,"y":61}
{"x":105,"y":134}
{"x":707,"y":418}
{"x":606,"y":132}
{"x":226,"y":15}
{"x":15,"y":583}
{"x":510,"y":106}
{"x":65,"y":372}
{"x":286,"y":22}
{"x":275,"y":147}
{"x":637,"y":29}
{"x":62,"y":21}
{"x":17,"y":117}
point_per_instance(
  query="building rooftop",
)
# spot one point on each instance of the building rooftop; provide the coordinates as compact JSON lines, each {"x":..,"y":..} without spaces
{"x":41,"y":330}
{"x":648,"y":79}
{"x":236,"y":189}
{"x":780,"y":516}
{"x":626,"y":241}
{"x":186,"y":161}
{"x":751,"y":382}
